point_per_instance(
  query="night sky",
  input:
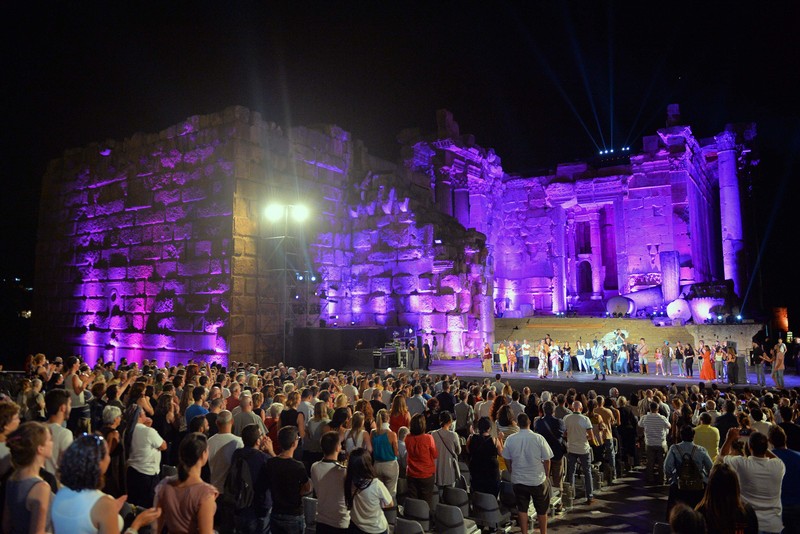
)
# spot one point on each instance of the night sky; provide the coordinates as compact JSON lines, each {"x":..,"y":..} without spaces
{"x":522,"y":77}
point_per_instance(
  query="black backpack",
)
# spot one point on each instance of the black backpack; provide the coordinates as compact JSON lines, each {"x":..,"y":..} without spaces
{"x":239,"y":489}
{"x":689,"y":476}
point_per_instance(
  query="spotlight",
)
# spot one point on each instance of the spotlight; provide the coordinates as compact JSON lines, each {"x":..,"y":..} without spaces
{"x":601,"y":152}
{"x":612,"y":150}
{"x":738,"y":317}
{"x":300,"y":277}
{"x":313,"y":278}
{"x":274,"y":212}
{"x":352,"y":323}
{"x":300,"y":213}
{"x":297,"y":297}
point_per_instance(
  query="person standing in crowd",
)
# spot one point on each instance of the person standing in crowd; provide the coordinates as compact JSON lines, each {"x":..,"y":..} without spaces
{"x":187,"y":503}
{"x":9,"y":422}
{"x":686,"y":451}
{"x":365,"y":495}
{"x":57,"y":404}
{"x":790,"y":489}
{"x":221,"y":447}
{"x":75,"y":383}
{"x":627,"y":429}
{"x":27,"y":494}
{"x":80,"y":506}
{"x":527,"y":456}
{"x":385,"y":452}
{"x":707,"y":436}
{"x":790,"y":427}
{"x":287,"y":482}
{"x":722,"y":505}
{"x":144,"y":447}
{"x":484,"y":468}
{"x":421,"y":461}
{"x":727,"y":420}
{"x":465,"y":414}
{"x":448,"y":448}
{"x":255,"y":454}
{"x":328,"y":478}
{"x":579,"y":435}
{"x":656,"y":427}
{"x":553,"y":430}
{"x":761,"y":476}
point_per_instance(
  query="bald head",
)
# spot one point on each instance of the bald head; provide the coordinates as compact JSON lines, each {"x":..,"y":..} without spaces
{"x":577,"y":407}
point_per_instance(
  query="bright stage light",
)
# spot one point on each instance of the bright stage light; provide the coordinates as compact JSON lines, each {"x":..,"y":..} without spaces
{"x":300,"y":213}
{"x":274,"y":212}
{"x":612,"y":150}
{"x":313,"y":278}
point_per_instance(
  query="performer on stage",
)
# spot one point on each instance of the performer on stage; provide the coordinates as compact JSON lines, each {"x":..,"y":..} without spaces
{"x":503,"y":357}
{"x":526,"y":356}
{"x":688,"y":360}
{"x":511,"y":352}
{"x":707,"y":367}
{"x":426,"y":355}
{"x":580,"y":354}
{"x":555,"y":358}
{"x":544,"y":360}
{"x":570,"y":361}
{"x":731,"y":360}
{"x":644,"y":350}
{"x":487,"y":358}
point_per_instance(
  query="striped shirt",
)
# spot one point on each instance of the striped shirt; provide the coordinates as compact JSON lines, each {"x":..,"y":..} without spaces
{"x":655,"y":429}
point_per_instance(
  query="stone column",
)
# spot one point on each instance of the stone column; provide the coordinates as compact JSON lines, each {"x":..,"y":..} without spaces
{"x":487,"y":300}
{"x":730,"y":212}
{"x":559,"y":264}
{"x":572,"y":264}
{"x":670,"y":274}
{"x":597,"y":256}
{"x":461,"y":200}
{"x":444,"y":192}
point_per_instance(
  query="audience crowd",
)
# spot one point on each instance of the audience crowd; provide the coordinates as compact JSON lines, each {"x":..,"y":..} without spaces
{"x":204,"y":448}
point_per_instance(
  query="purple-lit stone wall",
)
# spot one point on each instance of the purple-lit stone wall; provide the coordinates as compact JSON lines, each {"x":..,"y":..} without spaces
{"x":133,"y":257}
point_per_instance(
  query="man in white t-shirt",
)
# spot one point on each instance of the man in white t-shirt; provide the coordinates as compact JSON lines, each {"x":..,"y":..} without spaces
{"x":220,"y":449}
{"x":579,"y":433}
{"x":58,"y":405}
{"x":760,"y":479}
{"x":144,"y":461}
{"x":526,"y":355}
{"x":327,"y":477}
{"x":527,"y":457}
{"x":350,"y":391}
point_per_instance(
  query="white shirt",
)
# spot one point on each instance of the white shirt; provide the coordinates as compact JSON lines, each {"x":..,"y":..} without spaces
{"x":351,"y":393}
{"x":527,"y":451}
{"x":577,"y":424}
{"x":328,"y":480}
{"x":220,"y":453}
{"x":655,"y":429}
{"x":760,"y":480}
{"x":145,"y":455}
{"x":367,"y":512}
{"x":62,"y":439}
{"x":71,"y":511}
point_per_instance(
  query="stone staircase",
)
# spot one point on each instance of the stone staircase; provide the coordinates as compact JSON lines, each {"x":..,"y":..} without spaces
{"x":587,"y":329}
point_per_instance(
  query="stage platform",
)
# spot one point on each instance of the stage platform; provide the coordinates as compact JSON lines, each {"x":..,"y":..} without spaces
{"x":471,"y":368}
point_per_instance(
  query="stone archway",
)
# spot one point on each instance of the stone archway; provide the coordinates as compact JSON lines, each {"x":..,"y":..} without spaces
{"x":584,"y":277}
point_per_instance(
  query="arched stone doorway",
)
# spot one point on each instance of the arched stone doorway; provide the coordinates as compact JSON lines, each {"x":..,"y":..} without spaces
{"x":584,"y":277}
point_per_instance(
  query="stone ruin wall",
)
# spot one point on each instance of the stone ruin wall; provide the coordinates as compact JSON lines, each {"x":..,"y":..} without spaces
{"x":156,"y":246}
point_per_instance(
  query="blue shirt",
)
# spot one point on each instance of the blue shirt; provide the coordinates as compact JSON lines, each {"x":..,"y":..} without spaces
{"x":790,"y":490}
{"x":193,"y":411}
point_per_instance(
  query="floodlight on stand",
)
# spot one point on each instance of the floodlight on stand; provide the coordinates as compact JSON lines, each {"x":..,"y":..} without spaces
{"x":274,"y":212}
{"x":300,"y":213}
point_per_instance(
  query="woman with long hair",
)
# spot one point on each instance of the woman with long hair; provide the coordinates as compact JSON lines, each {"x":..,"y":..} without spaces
{"x":290,"y":416}
{"x":80,"y":507}
{"x":421,"y":456}
{"x":399,"y":416}
{"x":483,"y":449}
{"x":365,"y":495}
{"x":357,"y":437}
{"x":187,"y":502}
{"x":28,"y":495}
{"x":316,"y":427}
{"x":722,"y":505}
{"x":364,"y":406}
{"x":385,"y":452}
{"x":431,"y":414}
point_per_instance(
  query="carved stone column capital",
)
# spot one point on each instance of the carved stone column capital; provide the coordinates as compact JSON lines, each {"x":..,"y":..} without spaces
{"x":725,"y":141}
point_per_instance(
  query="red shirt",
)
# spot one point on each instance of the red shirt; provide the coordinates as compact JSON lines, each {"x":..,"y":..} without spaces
{"x":421,"y":456}
{"x":396,"y":421}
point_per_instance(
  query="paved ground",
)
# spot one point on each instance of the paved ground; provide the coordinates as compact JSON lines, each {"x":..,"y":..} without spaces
{"x":630,"y":506}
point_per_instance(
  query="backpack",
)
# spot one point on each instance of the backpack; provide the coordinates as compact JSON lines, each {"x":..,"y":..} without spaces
{"x":239,"y":484}
{"x":689,"y":476}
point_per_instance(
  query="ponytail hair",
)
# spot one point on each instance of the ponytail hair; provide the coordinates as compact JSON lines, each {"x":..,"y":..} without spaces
{"x":24,"y":443}
{"x":190,"y":452}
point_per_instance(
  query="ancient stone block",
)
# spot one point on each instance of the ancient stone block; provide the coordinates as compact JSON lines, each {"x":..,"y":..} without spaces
{"x":404,"y":284}
{"x":444,"y":303}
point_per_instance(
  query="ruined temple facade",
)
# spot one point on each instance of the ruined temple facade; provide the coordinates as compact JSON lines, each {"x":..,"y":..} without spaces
{"x":157,"y":246}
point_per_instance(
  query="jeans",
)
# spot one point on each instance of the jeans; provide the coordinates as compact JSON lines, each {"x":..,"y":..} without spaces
{"x":251,"y":525}
{"x":622,"y":366}
{"x":526,"y":362}
{"x":778,"y":377}
{"x":655,"y":458}
{"x":760,"y":379}
{"x":608,"y":455}
{"x":586,"y":469}
{"x":287,"y":524}
{"x":668,"y":365}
